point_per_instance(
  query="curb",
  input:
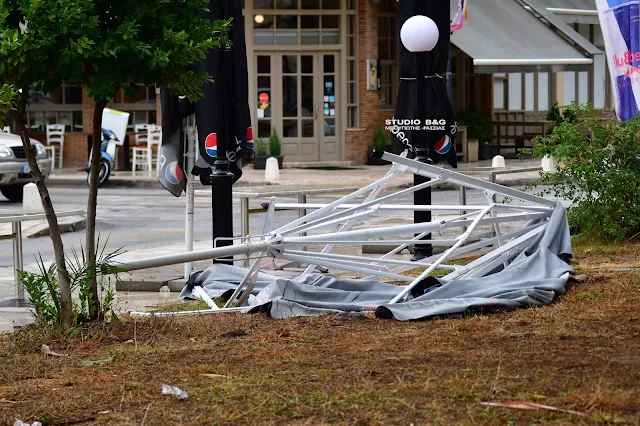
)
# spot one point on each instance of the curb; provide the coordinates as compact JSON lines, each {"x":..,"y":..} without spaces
{"x":65,"y":227}
{"x":174,"y":283}
{"x":54,"y":182}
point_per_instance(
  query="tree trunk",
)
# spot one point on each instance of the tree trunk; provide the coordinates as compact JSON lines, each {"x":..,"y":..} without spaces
{"x":66,"y":306}
{"x":92,"y":203}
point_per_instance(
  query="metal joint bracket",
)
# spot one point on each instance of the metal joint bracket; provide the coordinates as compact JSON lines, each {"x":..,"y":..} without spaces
{"x":489,"y":194}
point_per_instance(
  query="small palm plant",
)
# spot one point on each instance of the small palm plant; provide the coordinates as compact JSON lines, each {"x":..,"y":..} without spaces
{"x":44,"y":290}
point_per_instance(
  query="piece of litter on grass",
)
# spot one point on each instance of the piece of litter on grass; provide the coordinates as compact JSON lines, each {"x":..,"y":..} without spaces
{"x":104,"y":412}
{"x":172,"y":390}
{"x":99,"y":362}
{"x":128,"y":341}
{"x":530,"y":406}
{"x":213,"y":376}
{"x":20,"y":423}
{"x":47,"y":351}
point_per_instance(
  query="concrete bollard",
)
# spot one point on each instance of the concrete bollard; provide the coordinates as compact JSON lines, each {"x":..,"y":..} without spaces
{"x":548,"y":164}
{"x":498,"y":162}
{"x":31,"y":198}
{"x":272,"y":171}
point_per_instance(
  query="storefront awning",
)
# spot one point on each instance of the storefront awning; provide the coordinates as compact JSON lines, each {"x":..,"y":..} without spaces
{"x":503,"y":36}
{"x":573,"y":11}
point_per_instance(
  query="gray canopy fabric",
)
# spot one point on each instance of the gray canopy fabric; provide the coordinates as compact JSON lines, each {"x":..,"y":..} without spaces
{"x":574,"y":11}
{"x":534,"y":277}
{"x":502,"y":36}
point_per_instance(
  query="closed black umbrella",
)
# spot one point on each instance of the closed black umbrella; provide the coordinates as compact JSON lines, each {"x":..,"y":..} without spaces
{"x":423,"y":102}
{"x":422,"y":94}
{"x":223,"y":120}
{"x":222,"y":114}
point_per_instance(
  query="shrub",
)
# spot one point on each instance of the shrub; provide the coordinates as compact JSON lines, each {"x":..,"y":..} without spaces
{"x":566,"y":114}
{"x":380,"y":141}
{"x":261,"y":148}
{"x":275,"y":147}
{"x":598,"y":171}
{"x":476,"y":123}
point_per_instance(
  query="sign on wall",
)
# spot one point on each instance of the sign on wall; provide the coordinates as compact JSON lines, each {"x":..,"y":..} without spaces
{"x":372,"y":74}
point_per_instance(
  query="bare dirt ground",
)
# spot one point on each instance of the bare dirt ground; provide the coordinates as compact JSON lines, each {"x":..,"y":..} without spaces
{"x":582,"y":353}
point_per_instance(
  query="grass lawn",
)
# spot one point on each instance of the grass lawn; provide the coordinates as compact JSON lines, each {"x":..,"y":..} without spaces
{"x":582,"y":353}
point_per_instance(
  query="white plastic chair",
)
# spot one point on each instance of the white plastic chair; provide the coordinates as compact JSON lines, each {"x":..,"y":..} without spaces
{"x":55,"y":135}
{"x":140,"y":151}
{"x":141,"y":133}
{"x":144,"y":156}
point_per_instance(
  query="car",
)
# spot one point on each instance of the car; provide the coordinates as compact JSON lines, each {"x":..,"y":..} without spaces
{"x":14,"y":169}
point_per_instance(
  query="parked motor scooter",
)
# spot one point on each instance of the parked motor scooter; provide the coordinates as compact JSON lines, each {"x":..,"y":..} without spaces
{"x":107,"y":157}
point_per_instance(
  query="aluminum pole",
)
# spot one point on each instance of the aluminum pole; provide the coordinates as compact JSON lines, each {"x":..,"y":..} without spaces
{"x":212,"y":253}
{"x":190,"y":161}
{"x":17,"y":256}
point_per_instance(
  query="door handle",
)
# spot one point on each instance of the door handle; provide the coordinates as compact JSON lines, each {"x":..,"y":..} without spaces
{"x":315,"y":112}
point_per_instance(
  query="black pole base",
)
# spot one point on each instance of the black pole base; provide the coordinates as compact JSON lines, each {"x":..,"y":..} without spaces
{"x":222,"y":206}
{"x":422,"y":198}
{"x":420,"y":253}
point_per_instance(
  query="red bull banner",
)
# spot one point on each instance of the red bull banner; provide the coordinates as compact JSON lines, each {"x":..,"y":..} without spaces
{"x":621,"y":31}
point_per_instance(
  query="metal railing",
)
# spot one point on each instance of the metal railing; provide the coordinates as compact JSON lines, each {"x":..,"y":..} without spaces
{"x":16,"y":235}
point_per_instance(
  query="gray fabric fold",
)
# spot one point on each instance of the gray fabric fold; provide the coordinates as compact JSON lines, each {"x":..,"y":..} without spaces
{"x":534,"y":277}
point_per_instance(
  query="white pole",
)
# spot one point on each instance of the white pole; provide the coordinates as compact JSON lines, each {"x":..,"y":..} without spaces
{"x":190,"y":161}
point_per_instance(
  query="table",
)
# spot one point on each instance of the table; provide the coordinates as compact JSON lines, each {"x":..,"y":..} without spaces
{"x":16,"y":235}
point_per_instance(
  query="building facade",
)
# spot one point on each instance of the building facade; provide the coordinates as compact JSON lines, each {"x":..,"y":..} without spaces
{"x":310,"y":81}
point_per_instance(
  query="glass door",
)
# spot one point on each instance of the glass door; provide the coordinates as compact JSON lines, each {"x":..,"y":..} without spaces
{"x":329,"y":111}
{"x":299,"y":134}
{"x":265,"y":110}
{"x":296,"y":94}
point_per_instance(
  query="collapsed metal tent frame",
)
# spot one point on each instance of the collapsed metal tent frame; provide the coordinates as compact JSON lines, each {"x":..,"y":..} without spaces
{"x":330,"y":225}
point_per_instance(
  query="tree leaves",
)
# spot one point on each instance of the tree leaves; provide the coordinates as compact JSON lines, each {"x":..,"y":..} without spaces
{"x":103,"y":45}
{"x":599,"y":171}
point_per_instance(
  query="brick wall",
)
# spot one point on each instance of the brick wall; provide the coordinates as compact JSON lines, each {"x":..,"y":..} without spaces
{"x":75,"y":149}
{"x":158,"y":110}
{"x":88,"y":106}
{"x":358,"y":141}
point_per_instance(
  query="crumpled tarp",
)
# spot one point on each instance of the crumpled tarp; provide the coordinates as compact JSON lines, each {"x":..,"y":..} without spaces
{"x":534,"y":277}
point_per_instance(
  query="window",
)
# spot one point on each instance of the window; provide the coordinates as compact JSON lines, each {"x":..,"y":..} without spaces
{"x":279,"y":22}
{"x":499,"y":85}
{"x":388,"y":53}
{"x":141,"y":106}
{"x":59,"y":106}
{"x":352,"y":74}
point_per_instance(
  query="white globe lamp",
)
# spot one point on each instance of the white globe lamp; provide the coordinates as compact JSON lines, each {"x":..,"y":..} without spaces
{"x":419,"y":34}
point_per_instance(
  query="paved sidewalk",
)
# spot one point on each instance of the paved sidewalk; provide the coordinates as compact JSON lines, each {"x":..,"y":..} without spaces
{"x":313,"y":176}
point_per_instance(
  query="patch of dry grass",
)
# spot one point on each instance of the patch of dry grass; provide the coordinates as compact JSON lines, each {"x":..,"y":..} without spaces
{"x":581,"y":353}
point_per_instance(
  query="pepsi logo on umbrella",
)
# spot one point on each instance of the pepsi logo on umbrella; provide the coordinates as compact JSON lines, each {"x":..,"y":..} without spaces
{"x":211,"y":145}
{"x":443,"y":146}
{"x":173,"y":173}
{"x":250,"y":139}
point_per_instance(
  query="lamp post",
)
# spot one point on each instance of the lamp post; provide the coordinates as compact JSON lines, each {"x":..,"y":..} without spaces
{"x":419,"y":35}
